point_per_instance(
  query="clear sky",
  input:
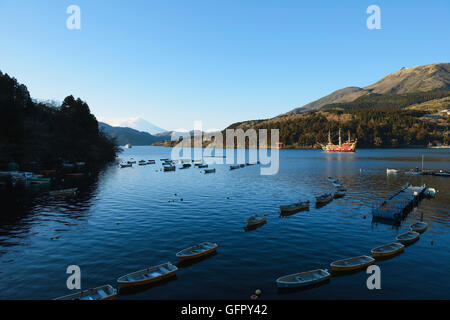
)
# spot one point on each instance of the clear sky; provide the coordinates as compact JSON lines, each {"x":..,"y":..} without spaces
{"x":218,"y":61}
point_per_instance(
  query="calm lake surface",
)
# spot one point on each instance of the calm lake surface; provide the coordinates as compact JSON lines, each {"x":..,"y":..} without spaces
{"x":127,"y":219}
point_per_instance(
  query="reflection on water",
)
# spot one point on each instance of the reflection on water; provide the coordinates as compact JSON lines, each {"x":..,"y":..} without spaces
{"x":127,"y":219}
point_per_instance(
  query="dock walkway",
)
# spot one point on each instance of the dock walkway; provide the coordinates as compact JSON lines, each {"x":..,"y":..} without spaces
{"x":401,"y":203}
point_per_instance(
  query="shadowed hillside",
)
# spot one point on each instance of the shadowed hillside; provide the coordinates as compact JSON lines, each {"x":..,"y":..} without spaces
{"x":43,"y":133}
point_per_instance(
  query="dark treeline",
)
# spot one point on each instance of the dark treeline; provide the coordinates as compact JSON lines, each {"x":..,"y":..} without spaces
{"x":41,"y":133}
{"x":389,"y":101}
{"x":373,"y":127}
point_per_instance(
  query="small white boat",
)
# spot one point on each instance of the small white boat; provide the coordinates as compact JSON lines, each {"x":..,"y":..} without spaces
{"x":413,"y":172}
{"x":202,"y":166}
{"x":352,"y":264}
{"x":147,"y":276}
{"x":68,"y":165}
{"x":256,"y":219}
{"x":234,"y":167}
{"x":386,"y":250}
{"x":210,"y":170}
{"x":408,"y":237}
{"x":324,"y":198}
{"x":303,"y":279}
{"x":295,"y":207}
{"x":333,"y":180}
{"x":151,"y":162}
{"x":197,"y":251}
{"x":419,"y":227}
{"x":128,"y":146}
{"x":106,"y":292}
{"x":126,"y":165}
{"x":442,"y":173}
{"x":391,"y":171}
{"x":169,"y":168}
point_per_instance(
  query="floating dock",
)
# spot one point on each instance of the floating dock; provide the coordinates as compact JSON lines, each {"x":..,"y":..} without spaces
{"x":400,"y":204}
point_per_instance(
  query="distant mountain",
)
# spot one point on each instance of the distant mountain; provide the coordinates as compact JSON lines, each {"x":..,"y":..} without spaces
{"x":139,"y":124}
{"x":343,"y":95}
{"x":406,"y":108}
{"x":124,"y":135}
{"x":426,"y":78}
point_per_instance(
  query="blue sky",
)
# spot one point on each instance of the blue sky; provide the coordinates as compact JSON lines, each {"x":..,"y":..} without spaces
{"x":173,"y":62}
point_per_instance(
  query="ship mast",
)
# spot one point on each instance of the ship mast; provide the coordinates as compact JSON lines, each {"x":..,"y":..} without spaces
{"x":340,"y":137}
{"x":329,"y":136}
{"x":349,"y":136}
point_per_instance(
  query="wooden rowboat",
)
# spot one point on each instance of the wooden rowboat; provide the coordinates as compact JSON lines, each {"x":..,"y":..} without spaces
{"x":75,"y":175}
{"x":324,"y":198}
{"x":48,"y":172}
{"x":408,"y":237}
{"x":106,"y":292}
{"x":64,"y":192}
{"x":197,"y":251}
{"x":256,"y":219}
{"x":303,"y":279}
{"x":386,"y":250}
{"x":419,"y":227}
{"x":39,"y":179}
{"x":295,"y":207}
{"x":147,"y":276}
{"x":339,"y":194}
{"x":352,"y":264}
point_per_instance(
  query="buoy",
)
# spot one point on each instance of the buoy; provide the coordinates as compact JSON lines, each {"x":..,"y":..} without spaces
{"x":364,"y":217}
{"x":181,"y":199}
{"x":258,"y":292}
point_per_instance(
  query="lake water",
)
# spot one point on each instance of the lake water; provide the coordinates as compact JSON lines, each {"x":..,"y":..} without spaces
{"x":127,"y":219}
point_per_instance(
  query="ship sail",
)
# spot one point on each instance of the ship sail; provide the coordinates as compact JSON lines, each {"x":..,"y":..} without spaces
{"x":348,"y":146}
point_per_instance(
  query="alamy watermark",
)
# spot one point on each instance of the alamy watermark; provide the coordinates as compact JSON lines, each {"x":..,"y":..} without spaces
{"x":374,"y":20}
{"x":73,"y":22}
{"x":229,"y":147}
{"x":374,"y":281}
{"x":74,"y":280}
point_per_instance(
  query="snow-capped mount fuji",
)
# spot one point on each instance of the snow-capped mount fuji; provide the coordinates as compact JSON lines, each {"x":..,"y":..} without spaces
{"x":139,"y":124}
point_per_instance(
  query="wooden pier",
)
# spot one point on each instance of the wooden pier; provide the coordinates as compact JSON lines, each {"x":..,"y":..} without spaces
{"x":400,"y":204}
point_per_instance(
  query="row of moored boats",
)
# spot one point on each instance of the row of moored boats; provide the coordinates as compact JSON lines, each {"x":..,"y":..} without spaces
{"x":355,"y":263}
{"x":145,"y":277}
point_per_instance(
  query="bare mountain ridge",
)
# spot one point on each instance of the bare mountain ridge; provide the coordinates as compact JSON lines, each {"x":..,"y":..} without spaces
{"x":416,"y":79}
